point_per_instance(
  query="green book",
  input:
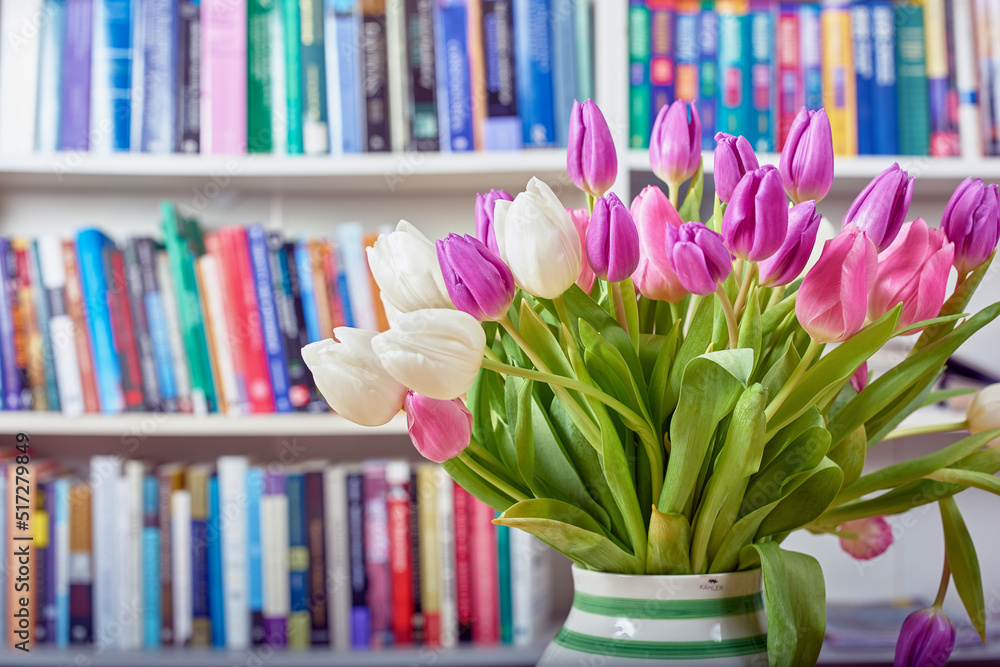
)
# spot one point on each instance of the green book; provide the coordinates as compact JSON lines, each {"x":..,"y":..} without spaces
{"x":293,"y":75}
{"x":178,"y":240}
{"x":640,"y":94}
{"x":911,"y":81}
{"x":583,"y":27}
{"x":315,"y":133}
{"x":503,"y":571}
{"x":260,"y":137}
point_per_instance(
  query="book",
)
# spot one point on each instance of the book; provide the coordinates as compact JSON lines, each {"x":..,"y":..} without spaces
{"x":505,"y":612}
{"x":299,"y":620}
{"x":181,"y":574}
{"x":125,"y":335}
{"x":152,"y":605}
{"x":421,"y":65}
{"x":839,"y":82}
{"x":640,"y":93}
{"x":273,"y":341}
{"x":171,"y":319}
{"x":453,"y":76}
{"x":111,"y":76}
{"x":762,"y":17}
{"x":476,"y":57}
{"x":105,"y":472}
{"x":943,"y":142}
{"x":310,"y":308}
{"x":150,"y":386}
{"x":42,"y":295}
{"x":315,"y":525}
{"x":188,"y":80}
{"x":155,"y":312}
{"x":583,"y":32}
{"x":19,"y":70}
{"x":686,"y":51}
{"x":463,"y":563}
{"x":338,"y":553}
{"x":350,"y":243}
{"x":291,"y":318}
{"x":533,"y":61}
{"x":48,"y":104}
{"x":81,"y":602}
{"x":74,"y":116}
{"x":159,"y":22}
{"x":223,"y":77}
{"x":790,"y":87}
{"x":734,"y":66}
{"x":225,"y":300}
{"x":274,"y":559}
{"x":970,"y":138}
{"x":418,"y":633}
{"x":397,"y":74}
{"x":61,"y":555}
{"x":503,"y":67}
{"x":27,"y":339}
{"x":884,"y":133}
{"x":9,"y":374}
{"x":708,"y":74}
{"x":291,"y":20}
{"x":360,"y":620}
{"x":810,"y":35}
{"x":129,"y":511}
{"x":216,"y":576}
{"x":77,"y":312}
{"x":345,"y":95}
{"x":531,"y":598}
{"x":375,"y":75}
{"x":170,"y":480}
{"x":397,"y":499}
{"x":255,"y":585}
{"x":483,"y":573}
{"x":315,"y":131}
{"x":661,"y":52}
{"x":911,"y":81}
{"x":196,"y":482}
{"x":93,"y":248}
{"x":41,"y":521}
{"x":377,"y":566}
{"x":429,"y":540}
{"x":232,"y":481}
{"x":261,"y":129}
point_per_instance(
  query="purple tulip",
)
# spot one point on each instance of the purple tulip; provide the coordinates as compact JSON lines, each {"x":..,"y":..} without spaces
{"x":785,"y":265}
{"x":971,"y":221}
{"x":675,"y":145}
{"x":478,"y":281}
{"x":734,"y":157}
{"x":699,"y":256}
{"x":880,"y":209}
{"x":756,"y":220}
{"x":590,"y":152}
{"x":806,"y":162}
{"x":485,"y":204}
{"x":926,"y":639}
{"x":612,"y":240}
{"x":440,"y":430}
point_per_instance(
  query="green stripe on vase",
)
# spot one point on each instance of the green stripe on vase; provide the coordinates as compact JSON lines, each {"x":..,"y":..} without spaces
{"x":648,"y":650}
{"x":667,"y":609}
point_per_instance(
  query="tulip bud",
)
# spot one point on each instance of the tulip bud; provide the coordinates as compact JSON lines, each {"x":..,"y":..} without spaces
{"x":881,"y":207}
{"x":351,"y":378}
{"x":655,"y":277}
{"x":699,"y":256}
{"x":581,"y":220}
{"x":405,"y":267}
{"x":926,"y":639}
{"x":538,"y":241}
{"x":913,"y":271}
{"x":785,"y":265}
{"x":485,"y":205}
{"x":873,"y":537}
{"x":435,"y":352}
{"x":590,"y":151}
{"x":860,"y":378}
{"x":675,"y":144}
{"x":971,"y":221}
{"x":478,"y":282}
{"x":806,"y":162}
{"x":440,"y":430}
{"x":734,"y":157}
{"x":756,"y":220}
{"x":983,"y":412}
{"x":612,"y":240}
{"x":833,"y":299}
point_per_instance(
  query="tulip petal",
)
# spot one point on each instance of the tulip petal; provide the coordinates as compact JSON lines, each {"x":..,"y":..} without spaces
{"x":440,"y":430}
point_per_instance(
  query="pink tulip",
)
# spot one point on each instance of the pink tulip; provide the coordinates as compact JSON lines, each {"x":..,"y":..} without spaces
{"x":440,"y":430}
{"x":860,"y":378}
{"x":785,"y":265}
{"x":581,"y":220}
{"x":833,"y":299}
{"x":913,"y":271}
{"x":675,"y":144}
{"x":655,"y":277}
{"x":874,"y":536}
{"x":485,"y":204}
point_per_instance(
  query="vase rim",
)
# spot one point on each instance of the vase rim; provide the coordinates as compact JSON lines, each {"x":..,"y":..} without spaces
{"x":751,"y":572}
{"x":667,"y":586}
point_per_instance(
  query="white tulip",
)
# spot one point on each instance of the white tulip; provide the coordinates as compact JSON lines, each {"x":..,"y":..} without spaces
{"x":435,"y":352}
{"x":405,"y":265}
{"x":351,"y":378}
{"x":983,"y":413}
{"x":538,"y":241}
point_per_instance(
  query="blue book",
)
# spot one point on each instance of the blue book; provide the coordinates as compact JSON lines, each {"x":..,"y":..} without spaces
{"x":156,"y":320}
{"x":503,"y":575}
{"x":274,"y":342}
{"x":348,"y":96}
{"x":42,"y":316}
{"x":503,"y":129}
{"x":343,"y":291}
{"x":885,"y":132}
{"x":159,"y":20}
{"x":111,"y":80}
{"x":708,"y":76}
{"x":46,"y":591}
{"x":10,"y":378}
{"x":762,"y":77}
{"x":152,"y":614}
{"x":200,"y":613}
{"x":533,"y":71}
{"x":74,"y":102}
{"x":216,"y":609}
{"x":454,"y":86}
{"x":864,"y":69}
{"x":255,"y":489}
{"x":564,"y":62}
{"x":734,"y":73}
{"x":60,"y":531}
{"x":303,"y":264}
{"x":360,"y":614}
{"x":299,"y":620}
{"x":810,"y":37}
{"x":50,"y":59}
{"x":92,"y":247}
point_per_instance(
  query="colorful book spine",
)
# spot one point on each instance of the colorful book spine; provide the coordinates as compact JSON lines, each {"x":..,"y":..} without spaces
{"x":43,"y":598}
{"x":397,"y":483}
{"x":708,"y":74}
{"x":216,"y":576}
{"x":811,"y":37}
{"x":274,"y":344}
{"x":397,"y":75}
{"x":77,"y":312}
{"x":360,"y":618}
{"x":188,"y":96}
{"x":421,"y":65}
{"x":375,"y":75}
{"x":250,"y":336}
{"x":734,"y":66}
{"x":354,"y":262}
{"x":223,"y":77}
{"x":152,"y":607}
{"x":303,"y":265}
{"x":42,"y":296}
{"x":232,"y":481}
{"x":130,"y":514}
{"x":970,"y":137}
{"x":93,"y":248}
{"x":74,"y":117}
{"x":377,"y":567}
{"x":81,"y":602}
{"x":463,"y":563}
{"x":255,"y":590}
{"x":27,"y":338}
{"x":178,"y":357}
{"x":864,"y":69}
{"x":105,"y":472}
{"x":453,"y":76}
{"x":565,"y":60}
{"x":315,"y":523}
{"x":315,"y":130}
{"x":181,"y":570}
{"x":111,"y":81}
{"x":662,"y":49}
{"x":686,"y":52}
{"x":531,"y":599}
{"x":936,"y":59}
{"x":291,"y":19}
{"x":299,"y":622}
{"x":19,"y":69}
{"x":884,"y":131}
{"x":125,"y":334}
{"x":505,"y":611}
{"x":143,"y":330}
{"x":274,"y":559}
{"x":533,"y":60}
{"x":345,"y":97}
{"x":152,"y":304}
{"x":159,"y":57}
{"x":10,"y":379}
{"x":839,"y":83}
{"x":790,"y":86}
{"x":640,"y":92}
{"x":338,"y":553}
{"x":762,"y":17}
{"x":50,"y":60}
{"x":483,"y":572}
{"x":278,"y":76}
{"x":291,"y":317}
{"x":418,"y":628}
{"x":170,"y":479}
{"x":429,"y":540}
{"x":503,"y":68}
{"x":476,"y":57}
{"x":260,"y":131}
{"x":911,"y":81}
{"x":61,"y":556}
{"x":196,"y":481}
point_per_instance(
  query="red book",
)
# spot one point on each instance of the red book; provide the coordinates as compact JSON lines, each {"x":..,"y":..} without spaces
{"x":249,"y":336}
{"x":75,"y":309}
{"x":397,"y":480}
{"x":791,"y":87}
{"x":485,"y":577}
{"x":463,"y":564}
{"x":232,"y":304}
{"x":124,"y":334}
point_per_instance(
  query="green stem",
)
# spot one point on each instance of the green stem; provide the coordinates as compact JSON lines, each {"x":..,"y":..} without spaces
{"x":590,"y":202}
{"x":490,"y":354}
{"x":490,"y":477}
{"x":797,"y":374}
{"x":562,"y":312}
{"x":675,"y":312}
{"x":727,"y":309}
{"x":943,"y":586}
{"x":924,"y":430}
{"x":776,"y":295}
{"x":674,"y":193}
{"x":748,"y":281}
{"x":619,"y":305}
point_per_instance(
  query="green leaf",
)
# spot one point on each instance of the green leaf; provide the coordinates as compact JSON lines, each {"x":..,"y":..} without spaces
{"x":691,"y":208}
{"x":964,"y":564}
{"x":850,"y":455}
{"x":524,"y":437}
{"x":650,"y":348}
{"x":582,"y":307}
{"x":799,"y":452}
{"x":594,"y":343}
{"x":978,"y":480}
{"x":806,"y":502}
{"x":779,"y":372}
{"x":942,"y":395}
{"x":888,"y":419}
{"x":669,"y":538}
{"x":659,"y":381}
{"x":750,"y":328}
{"x":476,"y":485}
{"x":570,"y":531}
{"x":923,"y":324}
{"x":795,"y":601}
{"x":956,"y":303}
{"x":696,"y":342}
{"x":775,"y":315}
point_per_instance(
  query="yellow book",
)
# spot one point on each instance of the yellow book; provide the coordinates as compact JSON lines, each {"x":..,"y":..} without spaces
{"x":839,"y":89}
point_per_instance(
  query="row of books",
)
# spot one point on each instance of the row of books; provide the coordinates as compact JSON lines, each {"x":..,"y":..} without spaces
{"x":198,"y":323}
{"x":293,"y":76}
{"x":896,"y":77}
{"x":238,"y":554}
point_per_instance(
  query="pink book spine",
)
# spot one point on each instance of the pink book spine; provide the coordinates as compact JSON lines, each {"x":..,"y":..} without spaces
{"x":791,"y":88}
{"x":485,"y":583}
{"x":224,"y":76}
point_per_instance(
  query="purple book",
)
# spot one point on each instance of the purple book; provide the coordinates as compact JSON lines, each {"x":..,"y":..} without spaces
{"x":74,"y":123}
{"x":8,"y":355}
{"x":275,"y":627}
{"x":377,"y":553}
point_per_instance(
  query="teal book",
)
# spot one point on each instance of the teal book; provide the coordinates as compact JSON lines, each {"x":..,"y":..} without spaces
{"x":312,"y":64}
{"x":735,"y":84}
{"x":260,"y":137}
{"x":583,"y":24}
{"x":216,"y":607}
{"x":503,"y":570}
{"x":640,"y":90}
{"x":911,"y":81}
{"x":152,"y":610}
{"x":293,"y":75}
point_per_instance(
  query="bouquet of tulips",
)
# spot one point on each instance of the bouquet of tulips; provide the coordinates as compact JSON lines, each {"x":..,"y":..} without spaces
{"x":648,"y":393}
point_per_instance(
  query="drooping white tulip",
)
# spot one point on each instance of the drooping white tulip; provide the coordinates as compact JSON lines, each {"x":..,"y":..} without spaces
{"x":404,"y":263}
{"x":983,"y":413}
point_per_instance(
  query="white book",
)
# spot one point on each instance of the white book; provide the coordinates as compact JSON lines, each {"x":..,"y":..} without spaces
{"x":338,"y":581}
{"x":211,"y":283}
{"x":129,"y":511}
{"x":446,"y":534}
{"x":398,"y":75}
{"x":279,"y":107}
{"x":49,"y":76}
{"x":969,"y":136}
{"x":232,"y":471}
{"x":180,"y":559}
{"x":61,"y":329}
{"x":60,"y":546}
{"x":274,"y":568}
{"x":105,"y":471}
{"x":137,"y":97}
{"x":22,"y":23}
{"x":354,"y":260}
{"x":166,"y":284}
{"x":334,"y":118}
{"x":530,"y":583}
